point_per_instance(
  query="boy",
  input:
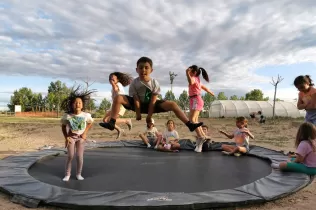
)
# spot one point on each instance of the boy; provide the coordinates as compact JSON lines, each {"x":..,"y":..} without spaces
{"x":143,"y":94}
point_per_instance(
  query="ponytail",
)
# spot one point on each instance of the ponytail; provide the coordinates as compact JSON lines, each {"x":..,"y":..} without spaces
{"x":204,"y":74}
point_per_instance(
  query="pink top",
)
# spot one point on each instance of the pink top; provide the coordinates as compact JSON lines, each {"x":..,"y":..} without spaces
{"x":195,"y":88}
{"x":306,"y":151}
{"x":307,"y":97}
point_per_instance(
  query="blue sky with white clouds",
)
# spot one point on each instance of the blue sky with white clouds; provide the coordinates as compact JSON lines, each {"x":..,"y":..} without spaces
{"x":241,"y":43}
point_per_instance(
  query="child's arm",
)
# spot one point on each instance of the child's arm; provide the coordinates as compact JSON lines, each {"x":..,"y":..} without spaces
{"x":137,"y":107}
{"x":114,"y":86}
{"x":151,"y":108}
{"x":207,"y":90}
{"x":249,"y":134}
{"x":230,"y":136}
{"x":300,"y":103}
{"x":64,"y":130}
{"x":190,"y":79}
{"x":298,"y":158}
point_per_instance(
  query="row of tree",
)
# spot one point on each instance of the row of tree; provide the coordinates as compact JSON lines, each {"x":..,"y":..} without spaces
{"x":58,"y":91}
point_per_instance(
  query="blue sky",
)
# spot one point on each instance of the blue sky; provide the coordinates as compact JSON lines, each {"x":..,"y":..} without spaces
{"x":241,"y":44}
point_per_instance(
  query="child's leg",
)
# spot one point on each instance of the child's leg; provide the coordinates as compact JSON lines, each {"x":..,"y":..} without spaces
{"x":117,"y":102}
{"x":145,"y":140}
{"x":79,"y":155}
{"x":228,"y":148}
{"x":71,"y":152}
{"x":172,"y":106}
{"x":297,"y":167}
{"x":175,"y":146}
{"x":159,"y":139}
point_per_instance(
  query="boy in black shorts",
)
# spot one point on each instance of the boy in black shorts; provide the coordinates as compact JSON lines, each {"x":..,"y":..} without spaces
{"x":143,"y":98}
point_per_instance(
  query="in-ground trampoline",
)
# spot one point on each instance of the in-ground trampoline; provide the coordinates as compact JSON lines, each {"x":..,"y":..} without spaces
{"x":126,"y":175}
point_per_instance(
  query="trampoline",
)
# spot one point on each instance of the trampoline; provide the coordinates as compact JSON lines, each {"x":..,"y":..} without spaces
{"x":126,"y":175}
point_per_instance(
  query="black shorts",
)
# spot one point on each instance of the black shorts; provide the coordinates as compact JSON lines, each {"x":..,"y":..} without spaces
{"x":144,"y":106}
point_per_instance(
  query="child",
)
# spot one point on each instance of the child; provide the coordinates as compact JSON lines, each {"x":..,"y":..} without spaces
{"x":306,"y":97}
{"x":262,"y":119}
{"x":143,"y":93}
{"x":75,"y":127}
{"x":196,"y":101}
{"x":305,"y":159}
{"x":151,"y":136}
{"x":241,"y":137}
{"x":119,"y":80}
{"x":170,"y":139}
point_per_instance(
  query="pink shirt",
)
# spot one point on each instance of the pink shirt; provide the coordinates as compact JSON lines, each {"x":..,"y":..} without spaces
{"x":307,"y":97}
{"x":305,"y":150}
{"x":195,"y":88}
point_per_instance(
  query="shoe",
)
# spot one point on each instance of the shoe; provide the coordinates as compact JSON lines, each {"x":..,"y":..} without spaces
{"x":66,"y":178}
{"x":107,"y":126}
{"x":148,"y":146}
{"x":199,"y":146}
{"x":79,"y":177}
{"x":275,"y":166}
{"x":237,"y":154}
{"x":226,"y":153}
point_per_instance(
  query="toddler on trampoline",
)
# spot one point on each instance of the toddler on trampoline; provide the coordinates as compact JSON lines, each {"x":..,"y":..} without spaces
{"x":151,"y":136}
{"x":241,"y":137}
{"x":304,"y":159}
{"x":170,"y":139}
{"x":143,"y":98}
{"x":75,"y":126}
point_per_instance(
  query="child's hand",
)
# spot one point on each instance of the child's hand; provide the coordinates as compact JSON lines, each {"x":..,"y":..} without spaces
{"x":67,"y":142}
{"x":84,"y":136}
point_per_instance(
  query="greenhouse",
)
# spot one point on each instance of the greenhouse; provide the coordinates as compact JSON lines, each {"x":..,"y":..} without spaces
{"x":232,"y":108}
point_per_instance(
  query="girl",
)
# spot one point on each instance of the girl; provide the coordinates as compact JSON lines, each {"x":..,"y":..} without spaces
{"x":119,"y":80}
{"x":170,"y":139}
{"x":241,"y":137}
{"x":304,"y":161}
{"x":196,"y":101}
{"x":306,"y":97}
{"x":75,"y":127}
{"x":151,"y":136}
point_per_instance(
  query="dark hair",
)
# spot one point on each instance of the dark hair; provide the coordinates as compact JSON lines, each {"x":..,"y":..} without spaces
{"x":174,"y":125}
{"x":124,"y":78}
{"x":75,"y":93}
{"x":306,"y":132}
{"x":259,"y":112}
{"x":242,"y":119}
{"x":205,"y":126}
{"x":198,"y":71}
{"x":300,"y":80}
{"x":145,"y":60}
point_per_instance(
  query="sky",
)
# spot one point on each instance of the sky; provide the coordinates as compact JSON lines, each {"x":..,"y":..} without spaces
{"x":242,"y":44}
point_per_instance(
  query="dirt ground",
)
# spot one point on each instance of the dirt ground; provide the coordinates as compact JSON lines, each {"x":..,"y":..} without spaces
{"x":19,"y":135}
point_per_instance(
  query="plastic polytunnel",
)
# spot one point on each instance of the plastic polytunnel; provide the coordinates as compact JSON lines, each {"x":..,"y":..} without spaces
{"x":232,"y":108}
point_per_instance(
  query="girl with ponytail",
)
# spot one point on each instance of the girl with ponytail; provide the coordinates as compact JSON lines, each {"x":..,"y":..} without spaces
{"x":196,"y":101}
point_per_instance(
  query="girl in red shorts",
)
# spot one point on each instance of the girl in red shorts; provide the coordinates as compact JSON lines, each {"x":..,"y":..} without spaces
{"x":196,"y":101}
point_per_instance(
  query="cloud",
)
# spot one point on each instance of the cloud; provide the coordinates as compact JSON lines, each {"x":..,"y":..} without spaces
{"x":230,"y":39}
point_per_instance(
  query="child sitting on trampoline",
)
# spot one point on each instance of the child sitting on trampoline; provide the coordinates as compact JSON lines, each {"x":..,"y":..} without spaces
{"x":151,"y":136}
{"x":241,"y":137}
{"x":143,"y":98}
{"x":304,"y":160}
{"x":170,"y":139}
{"x":75,"y":126}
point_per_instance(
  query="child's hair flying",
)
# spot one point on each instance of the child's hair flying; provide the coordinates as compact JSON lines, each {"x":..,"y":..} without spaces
{"x":198,"y":71}
{"x":76,"y":92}
{"x":300,"y":80}
{"x":124,"y":78}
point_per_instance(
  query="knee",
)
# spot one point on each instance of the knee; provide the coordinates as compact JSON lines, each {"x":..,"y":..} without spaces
{"x":70,"y":157}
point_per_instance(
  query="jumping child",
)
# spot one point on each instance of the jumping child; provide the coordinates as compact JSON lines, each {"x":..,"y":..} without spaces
{"x":151,"y":136}
{"x":119,"y":80}
{"x":304,"y":160}
{"x":75,"y":127}
{"x":170,"y":139}
{"x":241,"y":137}
{"x":143,"y":98}
{"x":306,"y":97}
{"x":196,"y":101}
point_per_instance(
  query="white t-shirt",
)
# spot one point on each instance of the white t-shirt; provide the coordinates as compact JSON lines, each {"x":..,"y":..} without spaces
{"x":151,"y":132}
{"x":241,"y":139}
{"x":120,"y":90}
{"x":144,"y":90}
{"x":76,"y":123}
{"x":170,"y":135}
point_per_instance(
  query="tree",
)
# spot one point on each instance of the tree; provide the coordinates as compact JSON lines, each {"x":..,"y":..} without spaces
{"x":242,"y":98}
{"x":255,"y":95}
{"x":208,"y":99}
{"x":105,"y":105}
{"x":221,"y":96}
{"x":184,"y":100}
{"x":22,"y":97}
{"x":234,"y":98}
{"x":275,"y":84}
{"x":170,"y":96}
{"x":58,"y":91}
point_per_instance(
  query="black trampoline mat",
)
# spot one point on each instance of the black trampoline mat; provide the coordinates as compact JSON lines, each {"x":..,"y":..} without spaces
{"x":141,"y":169}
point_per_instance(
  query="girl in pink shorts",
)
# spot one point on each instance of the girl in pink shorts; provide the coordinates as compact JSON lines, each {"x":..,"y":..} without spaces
{"x":196,"y":101}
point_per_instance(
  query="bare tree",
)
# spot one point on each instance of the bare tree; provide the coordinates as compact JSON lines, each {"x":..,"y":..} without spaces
{"x":172,"y":76}
{"x":87,"y":82}
{"x":275,"y":84}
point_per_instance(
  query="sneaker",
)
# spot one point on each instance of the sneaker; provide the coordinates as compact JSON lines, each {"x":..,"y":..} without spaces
{"x":79,"y":177}
{"x":66,"y":178}
{"x":199,"y":146}
{"x":275,"y":166}
{"x":148,"y":145}
{"x":156,"y":147}
{"x":107,"y":126}
{"x":237,"y":154}
{"x":226,"y":153}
